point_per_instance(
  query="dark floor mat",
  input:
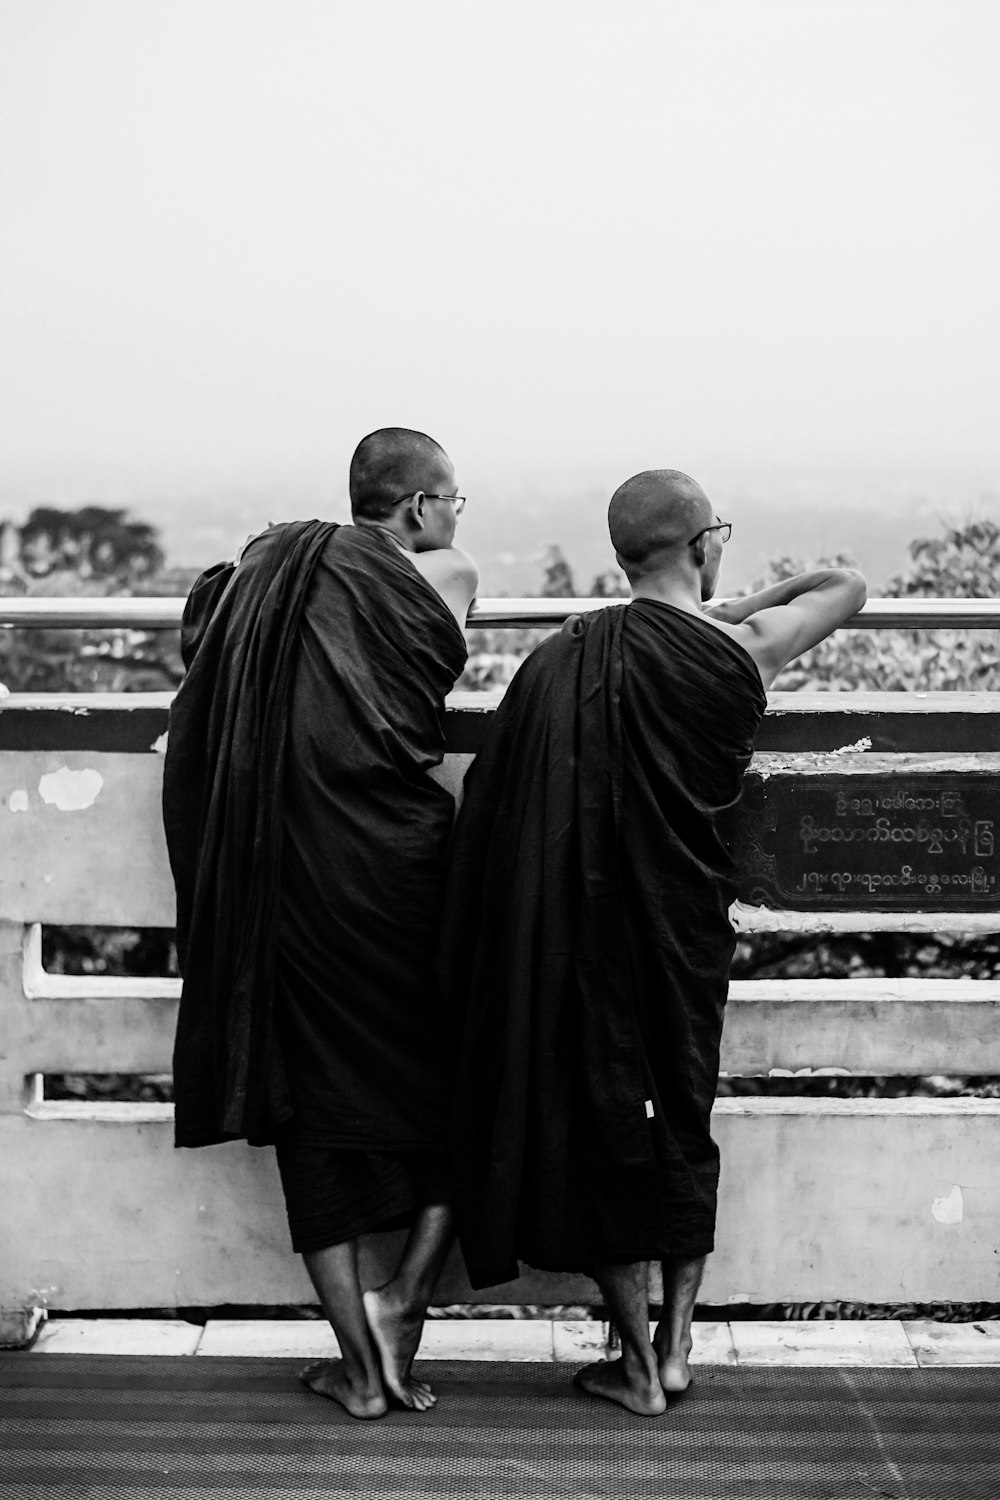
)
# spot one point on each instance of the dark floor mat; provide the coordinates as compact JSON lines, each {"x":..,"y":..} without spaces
{"x":118,"y":1426}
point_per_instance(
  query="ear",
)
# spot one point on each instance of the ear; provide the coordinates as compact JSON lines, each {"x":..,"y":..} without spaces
{"x":698,"y":552}
{"x":414,"y":509}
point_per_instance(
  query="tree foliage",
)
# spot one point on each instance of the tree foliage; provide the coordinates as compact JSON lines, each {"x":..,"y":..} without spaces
{"x":963,"y":562}
{"x":96,"y":553}
{"x":91,"y":542}
{"x":495,"y":655}
{"x":557,"y":575}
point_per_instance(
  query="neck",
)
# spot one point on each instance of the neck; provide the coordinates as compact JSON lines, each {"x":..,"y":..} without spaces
{"x":680,"y":590}
{"x":388,"y":531}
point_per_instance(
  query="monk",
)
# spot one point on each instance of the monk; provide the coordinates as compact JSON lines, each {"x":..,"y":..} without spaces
{"x":307,"y":841}
{"x":587,"y":941}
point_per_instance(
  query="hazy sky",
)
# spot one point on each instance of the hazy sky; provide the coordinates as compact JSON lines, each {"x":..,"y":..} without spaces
{"x":563,"y":237}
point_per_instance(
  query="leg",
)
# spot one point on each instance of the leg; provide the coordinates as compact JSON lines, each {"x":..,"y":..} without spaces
{"x":672,"y":1341}
{"x":396,"y":1310}
{"x":354,"y":1380}
{"x":632,"y":1380}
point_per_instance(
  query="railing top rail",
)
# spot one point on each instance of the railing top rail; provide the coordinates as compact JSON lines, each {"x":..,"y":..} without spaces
{"x":877,"y":614}
{"x":165,"y":613}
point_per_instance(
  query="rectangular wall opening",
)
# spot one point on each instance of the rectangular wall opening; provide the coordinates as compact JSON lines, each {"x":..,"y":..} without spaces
{"x":128,"y":952}
{"x":100,"y":1088}
{"x":824,"y":1084}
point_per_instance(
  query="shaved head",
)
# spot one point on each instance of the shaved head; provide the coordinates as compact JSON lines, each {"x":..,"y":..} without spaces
{"x":653,"y":516}
{"x":391,"y":463}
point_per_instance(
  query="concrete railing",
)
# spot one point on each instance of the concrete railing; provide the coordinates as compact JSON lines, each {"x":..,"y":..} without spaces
{"x":888,"y":1200}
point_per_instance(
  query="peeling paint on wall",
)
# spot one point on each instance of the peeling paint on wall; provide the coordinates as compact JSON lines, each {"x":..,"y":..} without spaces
{"x":18,"y":801}
{"x":808,"y":1073}
{"x":71,"y":791}
{"x":863,"y":744}
{"x":950,"y":1209}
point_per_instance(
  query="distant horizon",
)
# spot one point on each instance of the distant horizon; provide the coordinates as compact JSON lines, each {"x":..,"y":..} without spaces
{"x":749,"y":241}
{"x":805,"y":513}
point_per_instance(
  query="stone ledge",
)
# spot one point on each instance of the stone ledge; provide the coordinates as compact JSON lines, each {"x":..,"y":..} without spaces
{"x":822,"y":1343}
{"x":863,"y":1343}
{"x":955,"y":1343}
{"x":117,"y":1336}
{"x":295,"y":1338}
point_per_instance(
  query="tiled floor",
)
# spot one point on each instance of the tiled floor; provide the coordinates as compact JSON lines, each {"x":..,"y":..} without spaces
{"x":873,"y":1344}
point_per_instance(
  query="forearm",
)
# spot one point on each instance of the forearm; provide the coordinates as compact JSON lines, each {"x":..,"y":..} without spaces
{"x":735,"y":611}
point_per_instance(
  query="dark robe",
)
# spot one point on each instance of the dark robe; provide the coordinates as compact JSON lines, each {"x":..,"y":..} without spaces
{"x":307,"y":842}
{"x":586,"y":944}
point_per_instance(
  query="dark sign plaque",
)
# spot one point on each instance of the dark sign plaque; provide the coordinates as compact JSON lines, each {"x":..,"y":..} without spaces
{"x":896,"y":842}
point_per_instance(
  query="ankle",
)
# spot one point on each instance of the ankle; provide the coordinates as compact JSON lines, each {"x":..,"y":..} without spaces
{"x":363,"y":1376}
{"x":639,"y":1364}
{"x":414,"y":1293}
{"x":403,"y":1295}
{"x":675,"y":1347}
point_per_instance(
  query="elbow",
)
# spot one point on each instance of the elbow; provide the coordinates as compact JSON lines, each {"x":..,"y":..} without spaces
{"x":465,"y":572}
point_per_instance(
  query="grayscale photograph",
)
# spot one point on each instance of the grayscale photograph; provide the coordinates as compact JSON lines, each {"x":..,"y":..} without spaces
{"x":500,"y":749}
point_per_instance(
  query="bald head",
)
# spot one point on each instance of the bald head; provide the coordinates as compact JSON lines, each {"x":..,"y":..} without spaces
{"x":653,"y":516}
{"x":391,"y":463}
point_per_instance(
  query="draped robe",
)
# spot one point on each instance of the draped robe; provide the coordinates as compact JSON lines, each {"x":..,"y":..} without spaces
{"x":586,"y":944}
{"x":307,"y":843}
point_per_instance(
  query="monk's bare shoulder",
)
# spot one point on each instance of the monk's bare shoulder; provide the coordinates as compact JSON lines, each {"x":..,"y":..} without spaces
{"x":736,"y":633}
{"x":779,"y":623}
{"x":452,"y":573}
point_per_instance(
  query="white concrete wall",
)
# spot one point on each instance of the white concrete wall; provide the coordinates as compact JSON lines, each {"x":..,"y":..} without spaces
{"x":873,"y":1200}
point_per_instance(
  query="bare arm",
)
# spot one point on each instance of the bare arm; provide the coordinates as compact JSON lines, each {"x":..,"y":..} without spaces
{"x":735,"y":611}
{"x":453,"y":573}
{"x":788,"y":618}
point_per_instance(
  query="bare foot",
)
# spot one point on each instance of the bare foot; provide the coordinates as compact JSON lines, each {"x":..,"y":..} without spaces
{"x":610,"y":1380}
{"x":395,"y":1331}
{"x":674,"y":1370}
{"x":328,"y":1377}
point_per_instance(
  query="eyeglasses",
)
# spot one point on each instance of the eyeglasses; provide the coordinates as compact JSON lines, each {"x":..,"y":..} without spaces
{"x":457,"y":500}
{"x":726,"y":528}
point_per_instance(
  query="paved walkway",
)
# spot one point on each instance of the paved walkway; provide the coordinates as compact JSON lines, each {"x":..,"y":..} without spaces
{"x":873,"y":1344}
